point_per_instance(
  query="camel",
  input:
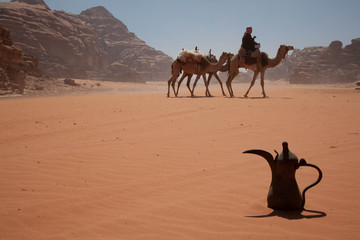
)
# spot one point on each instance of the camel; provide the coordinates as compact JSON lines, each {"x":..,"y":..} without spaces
{"x":212,"y":59}
{"x":200,"y":69}
{"x":266,"y":63}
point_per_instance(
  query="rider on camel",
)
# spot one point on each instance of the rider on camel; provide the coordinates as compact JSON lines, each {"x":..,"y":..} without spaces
{"x":249,"y":48}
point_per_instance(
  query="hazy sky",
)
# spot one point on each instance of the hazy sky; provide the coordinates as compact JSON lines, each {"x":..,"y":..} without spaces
{"x":170,"y":25}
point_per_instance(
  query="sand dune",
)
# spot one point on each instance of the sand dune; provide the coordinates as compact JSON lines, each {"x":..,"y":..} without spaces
{"x":143,"y":166}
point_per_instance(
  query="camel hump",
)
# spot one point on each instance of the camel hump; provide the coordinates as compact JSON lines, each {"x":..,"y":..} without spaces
{"x":264,"y":59}
{"x":190,"y":56}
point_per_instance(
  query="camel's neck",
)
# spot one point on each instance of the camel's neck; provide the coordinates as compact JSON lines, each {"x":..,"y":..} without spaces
{"x":215,"y":67}
{"x":224,"y":68}
{"x":273,"y":62}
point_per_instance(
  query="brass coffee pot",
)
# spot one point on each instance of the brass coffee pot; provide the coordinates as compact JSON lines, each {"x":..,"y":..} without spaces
{"x":284,"y":193}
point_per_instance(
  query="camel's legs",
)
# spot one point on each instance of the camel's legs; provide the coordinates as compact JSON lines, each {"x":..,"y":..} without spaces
{"x":209,"y":78}
{"x":188,"y":82}
{"x":175,"y":71}
{"x":194,"y":85}
{"x":263,"y":83}
{"x":217,"y":77}
{"x":228,"y":83}
{"x":171,"y":82}
{"x":233,"y":72}
{"x":207,"y":92}
{"x":179,"y":83}
{"x":256,"y":73}
{"x":221,"y":85}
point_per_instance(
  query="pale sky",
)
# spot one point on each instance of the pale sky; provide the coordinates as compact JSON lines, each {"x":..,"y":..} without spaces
{"x":170,"y":25}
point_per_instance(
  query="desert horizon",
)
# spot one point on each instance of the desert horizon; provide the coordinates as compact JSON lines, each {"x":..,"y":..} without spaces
{"x":125,"y":162}
{"x":99,"y":87}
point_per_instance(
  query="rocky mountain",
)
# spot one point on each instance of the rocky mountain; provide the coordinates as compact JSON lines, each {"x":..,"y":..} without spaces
{"x":14,"y":65}
{"x":93,"y":44}
{"x":332,"y":64}
{"x":33,"y":2}
{"x":123,"y":48}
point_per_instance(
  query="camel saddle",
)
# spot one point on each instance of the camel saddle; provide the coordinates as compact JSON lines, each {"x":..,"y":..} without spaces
{"x":190,"y":56}
{"x":250,"y":58}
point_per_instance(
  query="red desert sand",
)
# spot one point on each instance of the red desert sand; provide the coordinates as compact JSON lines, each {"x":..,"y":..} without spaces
{"x":144,"y":166}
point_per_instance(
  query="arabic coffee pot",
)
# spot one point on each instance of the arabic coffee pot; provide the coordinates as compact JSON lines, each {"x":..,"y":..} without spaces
{"x":284,"y":192}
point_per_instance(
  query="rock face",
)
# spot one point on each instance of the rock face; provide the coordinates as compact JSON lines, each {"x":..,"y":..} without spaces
{"x":14,"y":65}
{"x":33,"y":2}
{"x":93,"y":44}
{"x":62,"y":43}
{"x":332,"y":64}
{"x":123,"y":48}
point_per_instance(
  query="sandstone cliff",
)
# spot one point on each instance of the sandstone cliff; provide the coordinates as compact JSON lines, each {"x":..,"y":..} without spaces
{"x":93,"y":44}
{"x":125,"y":48}
{"x":14,"y":65}
{"x":332,"y":64}
{"x":33,"y":2}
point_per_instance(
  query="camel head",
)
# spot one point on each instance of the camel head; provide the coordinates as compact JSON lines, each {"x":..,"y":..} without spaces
{"x":284,"y":49}
{"x":227,"y":63}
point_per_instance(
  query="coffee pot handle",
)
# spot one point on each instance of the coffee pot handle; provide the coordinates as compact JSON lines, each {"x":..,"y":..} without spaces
{"x":304,"y":163}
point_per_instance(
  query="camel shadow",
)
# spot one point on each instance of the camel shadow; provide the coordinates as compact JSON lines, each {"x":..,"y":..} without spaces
{"x":194,"y":97}
{"x":267,"y":97}
{"x":242,"y":97}
{"x":197,"y":96}
{"x":255,"y":97}
{"x":215,"y":96}
{"x":293,"y":215}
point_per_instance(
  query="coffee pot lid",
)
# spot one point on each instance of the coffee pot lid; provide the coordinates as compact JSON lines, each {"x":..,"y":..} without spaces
{"x":286,"y":155}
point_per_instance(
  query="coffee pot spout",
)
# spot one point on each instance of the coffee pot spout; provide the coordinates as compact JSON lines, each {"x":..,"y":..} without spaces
{"x":269,"y":158}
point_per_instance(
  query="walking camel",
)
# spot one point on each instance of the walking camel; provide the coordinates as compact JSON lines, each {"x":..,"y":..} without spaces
{"x":212,"y":59}
{"x":250,"y":63}
{"x":200,"y":69}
